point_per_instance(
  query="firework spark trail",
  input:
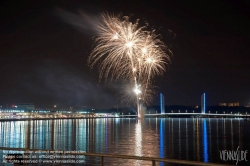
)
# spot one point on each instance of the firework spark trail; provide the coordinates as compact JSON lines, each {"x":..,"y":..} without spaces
{"x":127,"y":97}
{"x":123,"y":50}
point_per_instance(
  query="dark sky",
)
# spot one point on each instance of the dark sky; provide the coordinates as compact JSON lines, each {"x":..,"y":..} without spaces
{"x":45,"y":46}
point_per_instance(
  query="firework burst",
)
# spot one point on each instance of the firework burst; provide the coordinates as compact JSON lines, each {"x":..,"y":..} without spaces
{"x":123,"y":50}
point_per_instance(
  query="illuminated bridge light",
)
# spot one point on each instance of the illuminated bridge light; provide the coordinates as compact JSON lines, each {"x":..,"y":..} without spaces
{"x":162,"y":103}
{"x":203,"y":103}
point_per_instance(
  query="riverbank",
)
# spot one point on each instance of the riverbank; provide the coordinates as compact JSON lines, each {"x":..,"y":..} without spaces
{"x":25,"y":119}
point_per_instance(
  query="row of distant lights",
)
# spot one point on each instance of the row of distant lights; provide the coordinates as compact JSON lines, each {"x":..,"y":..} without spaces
{"x":209,"y":112}
{"x":39,"y":111}
{"x":11,"y":110}
{"x":44,"y":111}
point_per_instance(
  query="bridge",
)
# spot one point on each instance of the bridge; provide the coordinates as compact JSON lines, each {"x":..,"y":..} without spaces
{"x":202,"y":115}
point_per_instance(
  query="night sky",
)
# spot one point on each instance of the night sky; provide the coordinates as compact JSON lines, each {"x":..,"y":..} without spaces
{"x":45,"y":46}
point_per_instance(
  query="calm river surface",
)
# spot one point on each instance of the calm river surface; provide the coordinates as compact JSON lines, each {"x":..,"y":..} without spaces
{"x":194,"y":139}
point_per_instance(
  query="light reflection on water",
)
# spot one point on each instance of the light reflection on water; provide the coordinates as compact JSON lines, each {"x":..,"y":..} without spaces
{"x":205,"y":144}
{"x":138,"y":140}
{"x":178,"y":138}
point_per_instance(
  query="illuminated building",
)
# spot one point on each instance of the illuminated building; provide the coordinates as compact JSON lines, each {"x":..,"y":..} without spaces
{"x":26,"y":106}
{"x":233,"y":104}
{"x":222,"y":104}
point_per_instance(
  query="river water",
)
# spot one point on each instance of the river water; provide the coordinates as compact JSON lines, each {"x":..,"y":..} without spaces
{"x":193,"y":139}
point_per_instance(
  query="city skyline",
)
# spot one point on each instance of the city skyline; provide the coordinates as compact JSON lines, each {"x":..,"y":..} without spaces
{"x":45,"y":46}
{"x":160,"y":103}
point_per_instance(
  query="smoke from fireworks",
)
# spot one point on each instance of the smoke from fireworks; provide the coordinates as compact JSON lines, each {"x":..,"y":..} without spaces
{"x":124,"y":50}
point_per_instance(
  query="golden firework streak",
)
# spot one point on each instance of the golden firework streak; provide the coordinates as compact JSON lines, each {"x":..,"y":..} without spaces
{"x":123,"y":50}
